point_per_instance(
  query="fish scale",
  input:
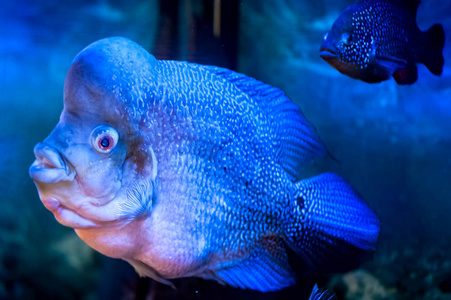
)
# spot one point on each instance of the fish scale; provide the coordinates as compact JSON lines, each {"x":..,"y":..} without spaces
{"x":378,"y":25}
{"x":244,"y":225}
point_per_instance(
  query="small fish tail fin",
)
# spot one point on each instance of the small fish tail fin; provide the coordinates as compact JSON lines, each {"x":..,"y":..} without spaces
{"x":330,"y":226}
{"x":435,"y":39}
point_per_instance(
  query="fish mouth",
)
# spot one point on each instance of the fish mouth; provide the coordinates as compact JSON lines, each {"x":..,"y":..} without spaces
{"x":66,"y":216}
{"x":55,"y":178}
{"x":327,"y":53}
{"x":50,"y":166}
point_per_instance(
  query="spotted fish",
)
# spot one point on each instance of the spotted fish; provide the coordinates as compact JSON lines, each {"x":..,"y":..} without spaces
{"x":190,"y":170}
{"x":376,"y":39}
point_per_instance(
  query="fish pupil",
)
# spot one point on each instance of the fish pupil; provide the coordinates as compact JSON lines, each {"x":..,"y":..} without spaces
{"x":105,"y":142}
{"x":104,"y":138}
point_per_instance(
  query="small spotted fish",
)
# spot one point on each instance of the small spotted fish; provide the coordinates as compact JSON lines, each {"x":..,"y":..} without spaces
{"x":375,"y":39}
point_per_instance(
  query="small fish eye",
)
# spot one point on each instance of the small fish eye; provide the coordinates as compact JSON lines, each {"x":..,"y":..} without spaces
{"x":104,"y":138}
{"x":325,"y":36}
{"x":346,"y":38}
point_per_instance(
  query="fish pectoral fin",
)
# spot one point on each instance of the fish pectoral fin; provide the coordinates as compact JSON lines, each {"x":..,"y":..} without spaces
{"x":265,"y":270}
{"x":390,"y":63}
{"x":145,"y":271}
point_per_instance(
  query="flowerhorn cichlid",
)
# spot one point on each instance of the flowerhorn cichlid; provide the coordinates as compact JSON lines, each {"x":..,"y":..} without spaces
{"x":375,"y":39}
{"x":189,"y":170}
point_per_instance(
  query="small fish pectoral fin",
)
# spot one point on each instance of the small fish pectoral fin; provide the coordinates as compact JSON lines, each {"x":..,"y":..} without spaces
{"x":390,"y":63}
{"x":266,"y":270}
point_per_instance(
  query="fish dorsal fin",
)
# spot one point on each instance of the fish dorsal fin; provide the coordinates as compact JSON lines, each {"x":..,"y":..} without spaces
{"x":296,"y":138}
{"x":333,"y":228}
{"x":265,"y":270}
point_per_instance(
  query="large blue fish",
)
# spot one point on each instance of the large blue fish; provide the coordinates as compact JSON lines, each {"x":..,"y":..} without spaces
{"x":189,"y":170}
{"x":376,"y":39}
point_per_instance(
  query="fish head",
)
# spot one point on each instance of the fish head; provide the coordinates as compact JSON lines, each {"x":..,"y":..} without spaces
{"x":345,"y":47}
{"x":97,"y":156}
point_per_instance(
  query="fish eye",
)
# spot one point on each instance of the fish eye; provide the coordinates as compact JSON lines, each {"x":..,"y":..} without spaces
{"x":346,"y":38}
{"x":325,"y":36}
{"x":104,"y":138}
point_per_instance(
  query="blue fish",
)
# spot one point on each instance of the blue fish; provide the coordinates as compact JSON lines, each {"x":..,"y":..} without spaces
{"x":376,"y":39}
{"x":189,"y":170}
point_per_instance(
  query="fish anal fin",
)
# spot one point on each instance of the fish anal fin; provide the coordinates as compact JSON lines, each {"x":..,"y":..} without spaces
{"x":407,"y":75}
{"x":265,"y":270}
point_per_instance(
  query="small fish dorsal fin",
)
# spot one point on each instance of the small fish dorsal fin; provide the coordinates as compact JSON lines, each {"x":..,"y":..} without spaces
{"x":297,"y":139}
{"x":410,"y":6}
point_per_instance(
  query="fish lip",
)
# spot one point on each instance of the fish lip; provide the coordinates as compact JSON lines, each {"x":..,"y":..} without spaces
{"x":50,"y":166}
{"x":327,"y":52}
{"x":66,"y":216}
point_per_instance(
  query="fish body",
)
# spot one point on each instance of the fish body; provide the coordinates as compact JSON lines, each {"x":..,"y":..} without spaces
{"x":376,"y":39}
{"x":189,"y":170}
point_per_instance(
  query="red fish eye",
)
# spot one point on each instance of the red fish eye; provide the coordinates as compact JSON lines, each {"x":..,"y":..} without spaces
{"x":105,"y":142}
{"x":104,"y":138}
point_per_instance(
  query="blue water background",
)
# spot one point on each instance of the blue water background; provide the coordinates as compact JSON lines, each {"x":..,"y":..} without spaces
{"x":392,"y":143}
